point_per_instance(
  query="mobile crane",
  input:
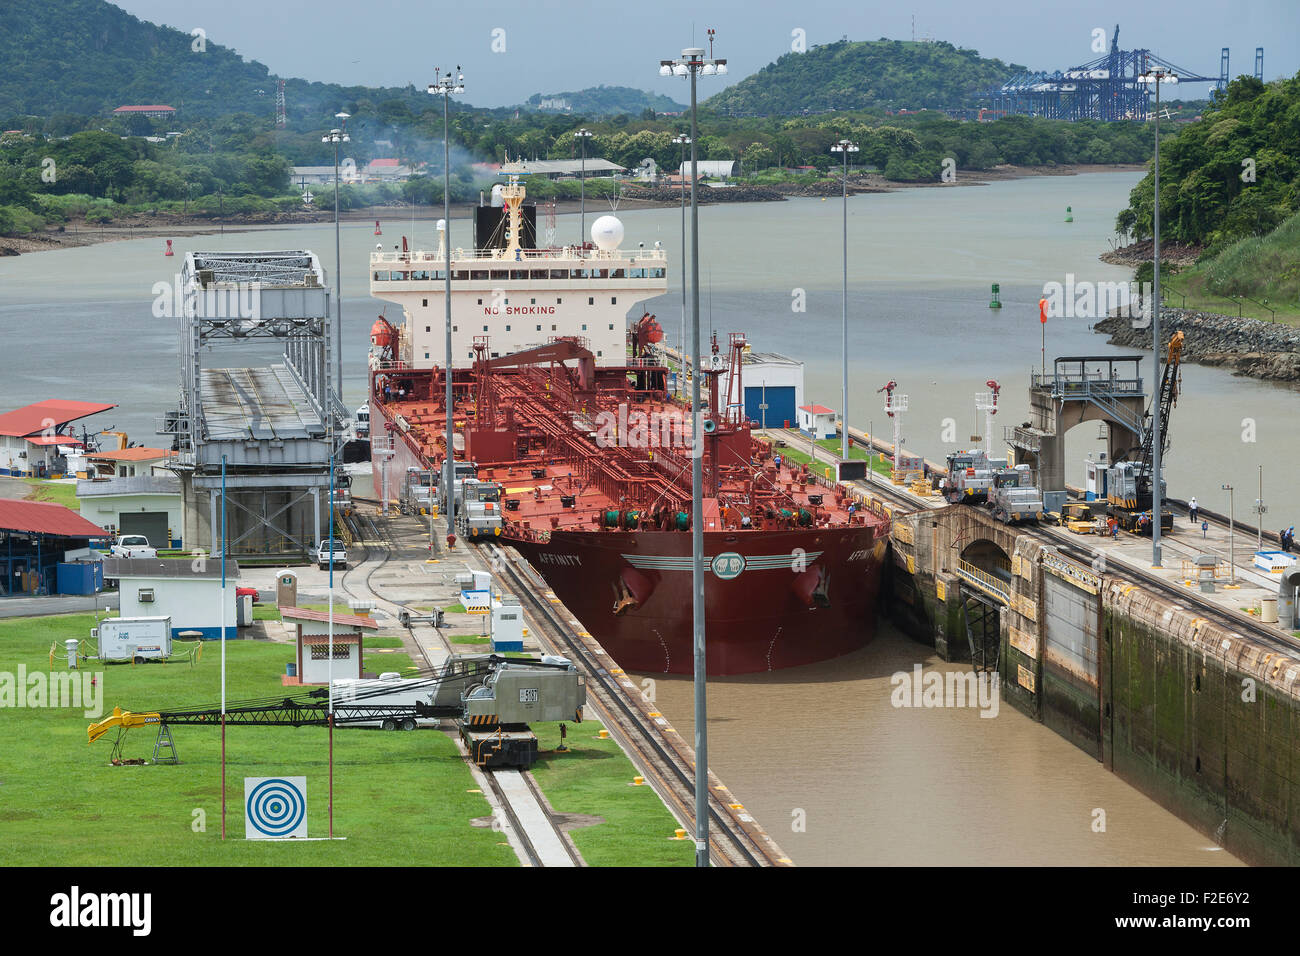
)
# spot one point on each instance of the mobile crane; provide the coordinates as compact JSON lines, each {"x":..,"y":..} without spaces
{"x":492,"y":699}
{"x":1130,"y":496}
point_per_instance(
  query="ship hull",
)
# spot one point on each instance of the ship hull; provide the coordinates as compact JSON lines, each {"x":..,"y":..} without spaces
{"x":773,"y":599}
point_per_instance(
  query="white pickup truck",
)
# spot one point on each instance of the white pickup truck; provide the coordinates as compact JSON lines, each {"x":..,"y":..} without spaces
{"x":133,"y":546}
{"x":321,"y":554}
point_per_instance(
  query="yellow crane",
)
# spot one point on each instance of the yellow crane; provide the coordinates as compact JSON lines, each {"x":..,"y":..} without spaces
{"x":122,"y":721}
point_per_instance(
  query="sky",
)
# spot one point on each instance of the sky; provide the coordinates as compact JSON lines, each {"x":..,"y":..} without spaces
{"x":511,"y":49}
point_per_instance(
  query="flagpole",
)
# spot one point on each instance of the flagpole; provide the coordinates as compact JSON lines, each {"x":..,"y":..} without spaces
{"x":330,"y":666}
{"x":223,"y":647}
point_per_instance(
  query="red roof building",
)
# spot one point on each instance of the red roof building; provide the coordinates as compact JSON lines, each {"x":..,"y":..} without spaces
{"x":44,"y":517}
{"x":35,"y":538}
{"x":51,"y":413}
{"x":312,"y":640}
{"x":30,"y":436}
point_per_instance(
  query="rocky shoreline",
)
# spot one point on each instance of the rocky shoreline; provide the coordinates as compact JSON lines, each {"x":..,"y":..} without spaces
{"x":1249,"y":347}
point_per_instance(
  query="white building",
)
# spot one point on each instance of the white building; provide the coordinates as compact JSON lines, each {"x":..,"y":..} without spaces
{"x":818,"y":421}
{"x":709,"y":169}
{"x":186,"y":590}
{"x":771,"y":380}
{"x":519,"y":297}
{"x":313,"y":643}
{"x":145,"y":504}
{"x":129,"y":462}
{"x":35,"y":440}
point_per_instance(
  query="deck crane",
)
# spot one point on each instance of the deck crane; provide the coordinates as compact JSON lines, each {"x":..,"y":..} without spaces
{"x":1130,"y":495}
{"x":493,"y":699}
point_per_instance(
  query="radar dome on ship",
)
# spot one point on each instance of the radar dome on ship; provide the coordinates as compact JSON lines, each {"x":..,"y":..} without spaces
{"x":498,"y":199}
{"x":607,"y":233}
{"x":442,"y":225}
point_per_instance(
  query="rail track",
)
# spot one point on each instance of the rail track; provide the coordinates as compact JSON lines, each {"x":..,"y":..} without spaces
{"x":734,"y":837}
{"x":1072,"y":546}
{"x":515,"y":800}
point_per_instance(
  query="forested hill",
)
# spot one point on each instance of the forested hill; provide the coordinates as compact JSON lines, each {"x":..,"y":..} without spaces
{"x":87,"y":57}
{"x":890,"y":74}
{"x":1233,"y":173}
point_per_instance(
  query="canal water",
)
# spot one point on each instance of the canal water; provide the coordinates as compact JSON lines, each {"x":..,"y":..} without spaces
{"x":920,"y":266}
{"x":840,"y":776}
{"x":819,"y":754}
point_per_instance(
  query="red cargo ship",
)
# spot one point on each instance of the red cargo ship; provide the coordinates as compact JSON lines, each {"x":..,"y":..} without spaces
{"x":593,"y":465}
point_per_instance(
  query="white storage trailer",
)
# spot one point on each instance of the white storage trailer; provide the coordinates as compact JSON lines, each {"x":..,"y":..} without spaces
{"x":133,"y":638}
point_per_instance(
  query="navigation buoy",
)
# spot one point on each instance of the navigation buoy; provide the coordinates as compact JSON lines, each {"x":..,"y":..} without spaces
{"x":169,"y":249}
{"x":1069,"y":214}
{"x":377,"y":232}
{"x":995,"y":302}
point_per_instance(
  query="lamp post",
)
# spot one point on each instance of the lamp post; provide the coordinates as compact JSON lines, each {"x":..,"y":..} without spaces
{"x":582,"y":136}
{"x":683,"y":141}
{"x":1261,"y":509}
{"x":1154,"y":77}
{"x":845,"y":147}
{"x":446,"y":85}
{"x":693,"y":63}
{"x":337,"y":136}
{"x":1232,"y":536}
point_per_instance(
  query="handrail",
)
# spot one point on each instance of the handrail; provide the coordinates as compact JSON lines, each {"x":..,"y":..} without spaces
{"x":983,"y":580}
{"x":1271,"y":312}
{"x":525,"y":255}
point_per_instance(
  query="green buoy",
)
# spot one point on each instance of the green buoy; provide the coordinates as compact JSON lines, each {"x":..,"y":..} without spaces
{"x":995,"y":302}
{"x":1069,"y":214}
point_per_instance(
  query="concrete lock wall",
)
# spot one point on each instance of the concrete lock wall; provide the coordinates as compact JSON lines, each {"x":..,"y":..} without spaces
{"x":1205,"y":722}
{"x":1199,"y":718}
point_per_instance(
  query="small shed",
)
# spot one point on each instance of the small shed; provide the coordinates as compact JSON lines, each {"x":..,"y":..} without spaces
{"x":818,"y":421}
{"x":187,"y":590}
{"x":312,"y":643}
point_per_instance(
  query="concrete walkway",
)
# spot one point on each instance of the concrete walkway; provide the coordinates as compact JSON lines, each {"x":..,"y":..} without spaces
{"x":56,"y":604}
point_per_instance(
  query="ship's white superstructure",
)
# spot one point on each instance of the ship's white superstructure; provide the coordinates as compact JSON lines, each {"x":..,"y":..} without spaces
{"x":519,"y":297}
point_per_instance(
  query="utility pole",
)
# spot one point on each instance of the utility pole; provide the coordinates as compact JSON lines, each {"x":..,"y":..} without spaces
{"x":845,"y":147}
{"x":1232,"y":536}
{"x":582,"y":136}
{"x":444,"y":84}
{"x":692,"y":64}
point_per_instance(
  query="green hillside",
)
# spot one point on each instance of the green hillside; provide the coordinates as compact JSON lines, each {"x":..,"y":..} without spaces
{"x":890,"y":74}
{"x":87,"y":57}
{"x":1233,"y":173}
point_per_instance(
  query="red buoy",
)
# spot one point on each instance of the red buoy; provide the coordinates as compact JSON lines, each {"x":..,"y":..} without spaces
{"x":169,"y":248}
{"x":377,"y":232}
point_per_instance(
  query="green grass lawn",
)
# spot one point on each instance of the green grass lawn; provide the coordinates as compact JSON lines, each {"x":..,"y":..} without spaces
{"x":879,"y":464}
{"x":1188,"y":290}
{"x":266,"y":612}
{"x":595,"y":777}
{"x":399,"y":798}
{"x":54,"y":491}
